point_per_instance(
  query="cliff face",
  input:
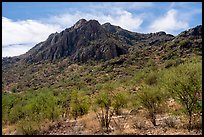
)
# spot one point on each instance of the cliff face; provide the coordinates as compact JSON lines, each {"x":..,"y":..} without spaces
{"x":83,"y":41}
{"x":133,"y":38}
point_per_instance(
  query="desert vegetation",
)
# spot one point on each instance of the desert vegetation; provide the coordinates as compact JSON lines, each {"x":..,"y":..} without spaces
{"x":102,"y":79}
{"x":143,"y":93}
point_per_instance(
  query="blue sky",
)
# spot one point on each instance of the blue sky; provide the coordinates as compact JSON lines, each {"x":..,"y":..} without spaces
{"x":25,"y":24}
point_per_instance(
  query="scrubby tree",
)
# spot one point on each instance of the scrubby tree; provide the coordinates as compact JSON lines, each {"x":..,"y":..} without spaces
{"x":104,"y":102}
{"x":185,"y":84}
{"x":120,"y":100}
{"x":79,"y":104}
{"x":151,"y":98}
{"x":28,"y":126}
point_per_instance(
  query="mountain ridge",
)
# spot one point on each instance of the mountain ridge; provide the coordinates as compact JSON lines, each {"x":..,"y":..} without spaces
{"x":89,"y":40}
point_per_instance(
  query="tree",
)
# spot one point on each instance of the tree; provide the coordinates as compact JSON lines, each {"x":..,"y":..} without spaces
{"x":151,"y":98}
{"x":120,"y":101}
{"x":185,"y":84}
{"x":104,"y":101}
{"x":79,"y":104}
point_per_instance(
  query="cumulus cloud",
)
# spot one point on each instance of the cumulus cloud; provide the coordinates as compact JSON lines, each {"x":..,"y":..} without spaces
{"x":15,"y":50}
{"x":122,"y":5}
{"x":169,"y":23}
{"x":24,"y":32}
{"x":117,"y":17}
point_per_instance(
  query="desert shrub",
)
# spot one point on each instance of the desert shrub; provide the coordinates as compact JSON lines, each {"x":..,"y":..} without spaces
{"x":14,"y":90}
{"x":185,"y":85}
{"x":183,"y":43}
{"x":16,"y":113}
{"x":173,"y":62}
{"x":120,"y":100}
{"x":79,"y":104}
{"x":98,"y":86}
{"x":171,"y":122}
{"x":170,"y":63}
{"x":64,"y":100}
{"x":139,"y":75}
{"x":104,"y":102}
{"x":88,"y":78}
{"x":109,"y":68}
{"x":28,"y":127}
{"x":8,"y":102}
{"x":108,"y":87}
{"x":44,"y":104}
{"x":152,"y":78}
{"x":151,"y":98}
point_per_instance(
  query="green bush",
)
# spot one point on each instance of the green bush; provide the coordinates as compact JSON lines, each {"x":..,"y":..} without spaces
{"x":28,"y":127}
{"x":8,"y":102}
{"x":79,"y":104}
{"x":152,"y":78}
{"x":152,"y":99}
{"x":104,"y":102}
{"x":14,"y":90}
{"x":185,"y":85}
{"x":16,"y":113}
{"x":41,"y":103}
{"x":120,"y":101}
{"x":170,"y":63}
{"x":183,"y":43}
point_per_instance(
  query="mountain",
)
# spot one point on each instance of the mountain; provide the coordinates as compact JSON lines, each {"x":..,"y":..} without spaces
{"x":55,"y":59}
{"x":133,"y":38}
{"x":89,"y":40}
{"x":192,"y":33}
{"x":83,"y":41}
{"x":190,"y":39}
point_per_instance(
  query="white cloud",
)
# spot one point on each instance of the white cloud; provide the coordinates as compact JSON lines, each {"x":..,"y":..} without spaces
{"x":121,"y":5}
{"x":23,"y":32}
{"x":15,"y":50}
{"x":133,"y":5}
{"x":117,"y":17}
{"x":169,"y":23}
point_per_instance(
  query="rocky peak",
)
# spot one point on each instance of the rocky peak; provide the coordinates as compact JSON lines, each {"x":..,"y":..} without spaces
{"x":160,"y":33}
{"x":197,"y":31}
{"x":109,"y":27}
{"x":79,"y":23}
{"x":93,"y":25}
{"x":94,"y":22}
{"x":83,"y":41}
{"x":133,"y":38}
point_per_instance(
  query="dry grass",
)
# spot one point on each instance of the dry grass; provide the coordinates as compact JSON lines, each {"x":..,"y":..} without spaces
{"x":8,"y":130}
{"x":137,"y":124}
{"x":91,"y":123}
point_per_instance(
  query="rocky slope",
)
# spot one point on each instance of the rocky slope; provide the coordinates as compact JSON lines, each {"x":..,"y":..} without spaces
{"x":106,"y":44}
{"x":133,"y":38}
{"x":83,"y":41}
{"x":89,"y":40}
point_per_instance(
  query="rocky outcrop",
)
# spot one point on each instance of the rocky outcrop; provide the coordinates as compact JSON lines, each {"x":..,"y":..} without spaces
{"x":193,"y":32}
{"x":85,"y":40}
{"x":134,"y":38}
{"x":89,"y":40}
